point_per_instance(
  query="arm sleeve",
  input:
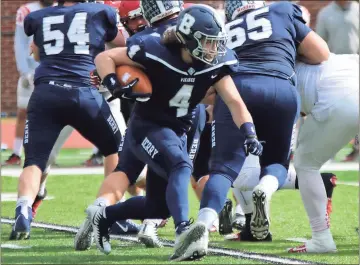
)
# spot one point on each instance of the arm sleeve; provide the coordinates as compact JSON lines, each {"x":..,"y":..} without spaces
{"x":321,"y":26}
{"x":21,"y":44}
{"x":300,"y":24}
{"x":112,"y":23}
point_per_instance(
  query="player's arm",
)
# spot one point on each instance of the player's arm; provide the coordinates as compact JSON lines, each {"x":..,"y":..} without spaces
{"x":21,"y":43}
{"x":209,"y":98}
{"x":311,"y":48}
{"x":114,"y":36}
{"x":35,"y":52}
{"x":239,"y":112}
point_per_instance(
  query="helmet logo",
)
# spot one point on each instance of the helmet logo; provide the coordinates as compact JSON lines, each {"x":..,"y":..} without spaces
{"x":186,"y":23}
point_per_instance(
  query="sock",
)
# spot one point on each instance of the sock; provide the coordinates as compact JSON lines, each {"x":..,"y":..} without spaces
{"x":215,"y":192}
{"x":313,"y":195}
{"x":245,"y":204}
{"x":41,"y":192}
{"x":24,"y":202}
{"x":291,"y":180}
{"x":133,"y":208}
{"x":177,"y":194}
{"x":101,"y":201}
{"x":322,"y":235}
{"x":269,"y":184}
{"x":18,"y":145}
{"x":207,"y":216}
{"x":95,"y":150}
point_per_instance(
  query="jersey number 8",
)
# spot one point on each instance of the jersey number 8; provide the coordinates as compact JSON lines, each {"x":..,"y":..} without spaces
{"x":237,"y":35}
{"x":76,"y":34}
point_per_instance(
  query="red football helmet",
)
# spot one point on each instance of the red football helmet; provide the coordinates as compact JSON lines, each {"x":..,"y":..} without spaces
{"x":186,"y":5}
{"x":131,"y":16}
{"x":114,"y":4}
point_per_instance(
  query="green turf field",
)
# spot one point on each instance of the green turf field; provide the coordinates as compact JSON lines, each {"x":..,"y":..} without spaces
{"x":72,"y":194}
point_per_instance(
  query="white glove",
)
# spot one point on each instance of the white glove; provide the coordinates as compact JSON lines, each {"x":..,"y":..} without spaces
{"x":27,"y":80}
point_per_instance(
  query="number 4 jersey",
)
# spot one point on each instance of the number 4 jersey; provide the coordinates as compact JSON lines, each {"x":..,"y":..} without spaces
{"x":177,"y":86}
{"x":69,"y":38}
{"x":266,"y":39}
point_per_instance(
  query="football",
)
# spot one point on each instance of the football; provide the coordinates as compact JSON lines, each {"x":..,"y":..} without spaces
{"x":126,"y":74}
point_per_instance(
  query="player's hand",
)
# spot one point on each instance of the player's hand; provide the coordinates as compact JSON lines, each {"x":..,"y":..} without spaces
{"x":127,"y":92}
{"x":95,"y":79}
{"x":209,"y":113}
{"x":252,"y":145}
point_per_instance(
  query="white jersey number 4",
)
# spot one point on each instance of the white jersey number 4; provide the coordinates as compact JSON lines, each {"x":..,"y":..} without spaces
{"x":181,"y":100}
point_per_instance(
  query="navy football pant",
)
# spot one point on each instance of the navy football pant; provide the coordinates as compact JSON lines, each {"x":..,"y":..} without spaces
{"x":274,"y":106}
{"x":52,"y":107}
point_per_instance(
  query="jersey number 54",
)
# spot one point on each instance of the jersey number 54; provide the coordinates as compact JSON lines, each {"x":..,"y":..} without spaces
{"x":76,"y":34}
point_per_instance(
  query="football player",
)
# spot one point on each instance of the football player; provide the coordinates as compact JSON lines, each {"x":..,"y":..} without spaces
{"x":159,"y":19}
{"x":265,"y":39}
{"x":26,"y":67}
{"x":71,"y":32}
{"x":186,"y":71}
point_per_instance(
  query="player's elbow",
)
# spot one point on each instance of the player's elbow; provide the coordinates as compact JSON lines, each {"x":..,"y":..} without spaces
{"x":313,"y":49}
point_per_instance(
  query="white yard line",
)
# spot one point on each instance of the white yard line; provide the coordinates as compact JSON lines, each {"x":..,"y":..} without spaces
{"x":213,"y":250}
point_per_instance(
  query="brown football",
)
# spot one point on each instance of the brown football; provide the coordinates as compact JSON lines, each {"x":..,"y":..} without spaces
{"x":126,"y":74}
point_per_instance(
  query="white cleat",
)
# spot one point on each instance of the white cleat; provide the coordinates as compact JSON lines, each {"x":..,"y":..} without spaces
{"x":192,"y":244}
{"x":100,"y":227}
{"x":314,"y":246}
{"x":148,"y":235}
{"x":260,"y":219}
{"x":84,"y":236}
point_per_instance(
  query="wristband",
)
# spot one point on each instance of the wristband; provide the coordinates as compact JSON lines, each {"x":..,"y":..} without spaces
{"x":111,"y":82}
{"x":248,"y":129}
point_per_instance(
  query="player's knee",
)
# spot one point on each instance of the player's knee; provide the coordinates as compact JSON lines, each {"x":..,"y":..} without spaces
{"x":40,"y":163}
{"x":225,"y":170}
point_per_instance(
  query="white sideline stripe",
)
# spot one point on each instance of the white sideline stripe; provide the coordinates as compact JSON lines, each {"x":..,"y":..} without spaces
{"x":214,"y":250}
{"x":15,"y":172}
{"x":348,"y":183}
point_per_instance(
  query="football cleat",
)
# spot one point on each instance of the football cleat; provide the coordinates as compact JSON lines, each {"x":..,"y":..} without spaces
{"x":238,"y":221}
{"x":13,"y":160}
{"x":246,"y":236}
{"x":125,"y":227}
{"x":21,"y":227}
{"x":84,"y":236}
{"x":260,"y":221}
{"x":225,"y":226}
{"x":94,"y":161}
{"x":37,"y":202}
{"x":312,"y":246}
{"x":148,"y":235}
{"x":191,"y":242}
{"x":100,"y":227}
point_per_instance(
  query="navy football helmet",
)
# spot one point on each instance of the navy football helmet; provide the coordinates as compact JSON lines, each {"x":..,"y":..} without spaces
{"x":234,"y":8}
{"x":201,"y":30}
{"x":155,"y":10}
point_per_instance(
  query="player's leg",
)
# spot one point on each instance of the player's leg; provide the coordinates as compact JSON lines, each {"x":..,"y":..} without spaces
{"x":43,"y":125}
{"x":227,"y":158}
{"x":95,"y":122}
{"x":63,"y":136}
{"x":24,"y":92}
{"x":321,"y":137}
{"x":112,"y":189}
{"x":274,"y":108}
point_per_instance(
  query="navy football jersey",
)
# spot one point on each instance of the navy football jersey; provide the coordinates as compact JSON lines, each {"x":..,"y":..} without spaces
{"x":265,"y":40}
{"x":69,"y":38}
{"x":177,"y":87}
